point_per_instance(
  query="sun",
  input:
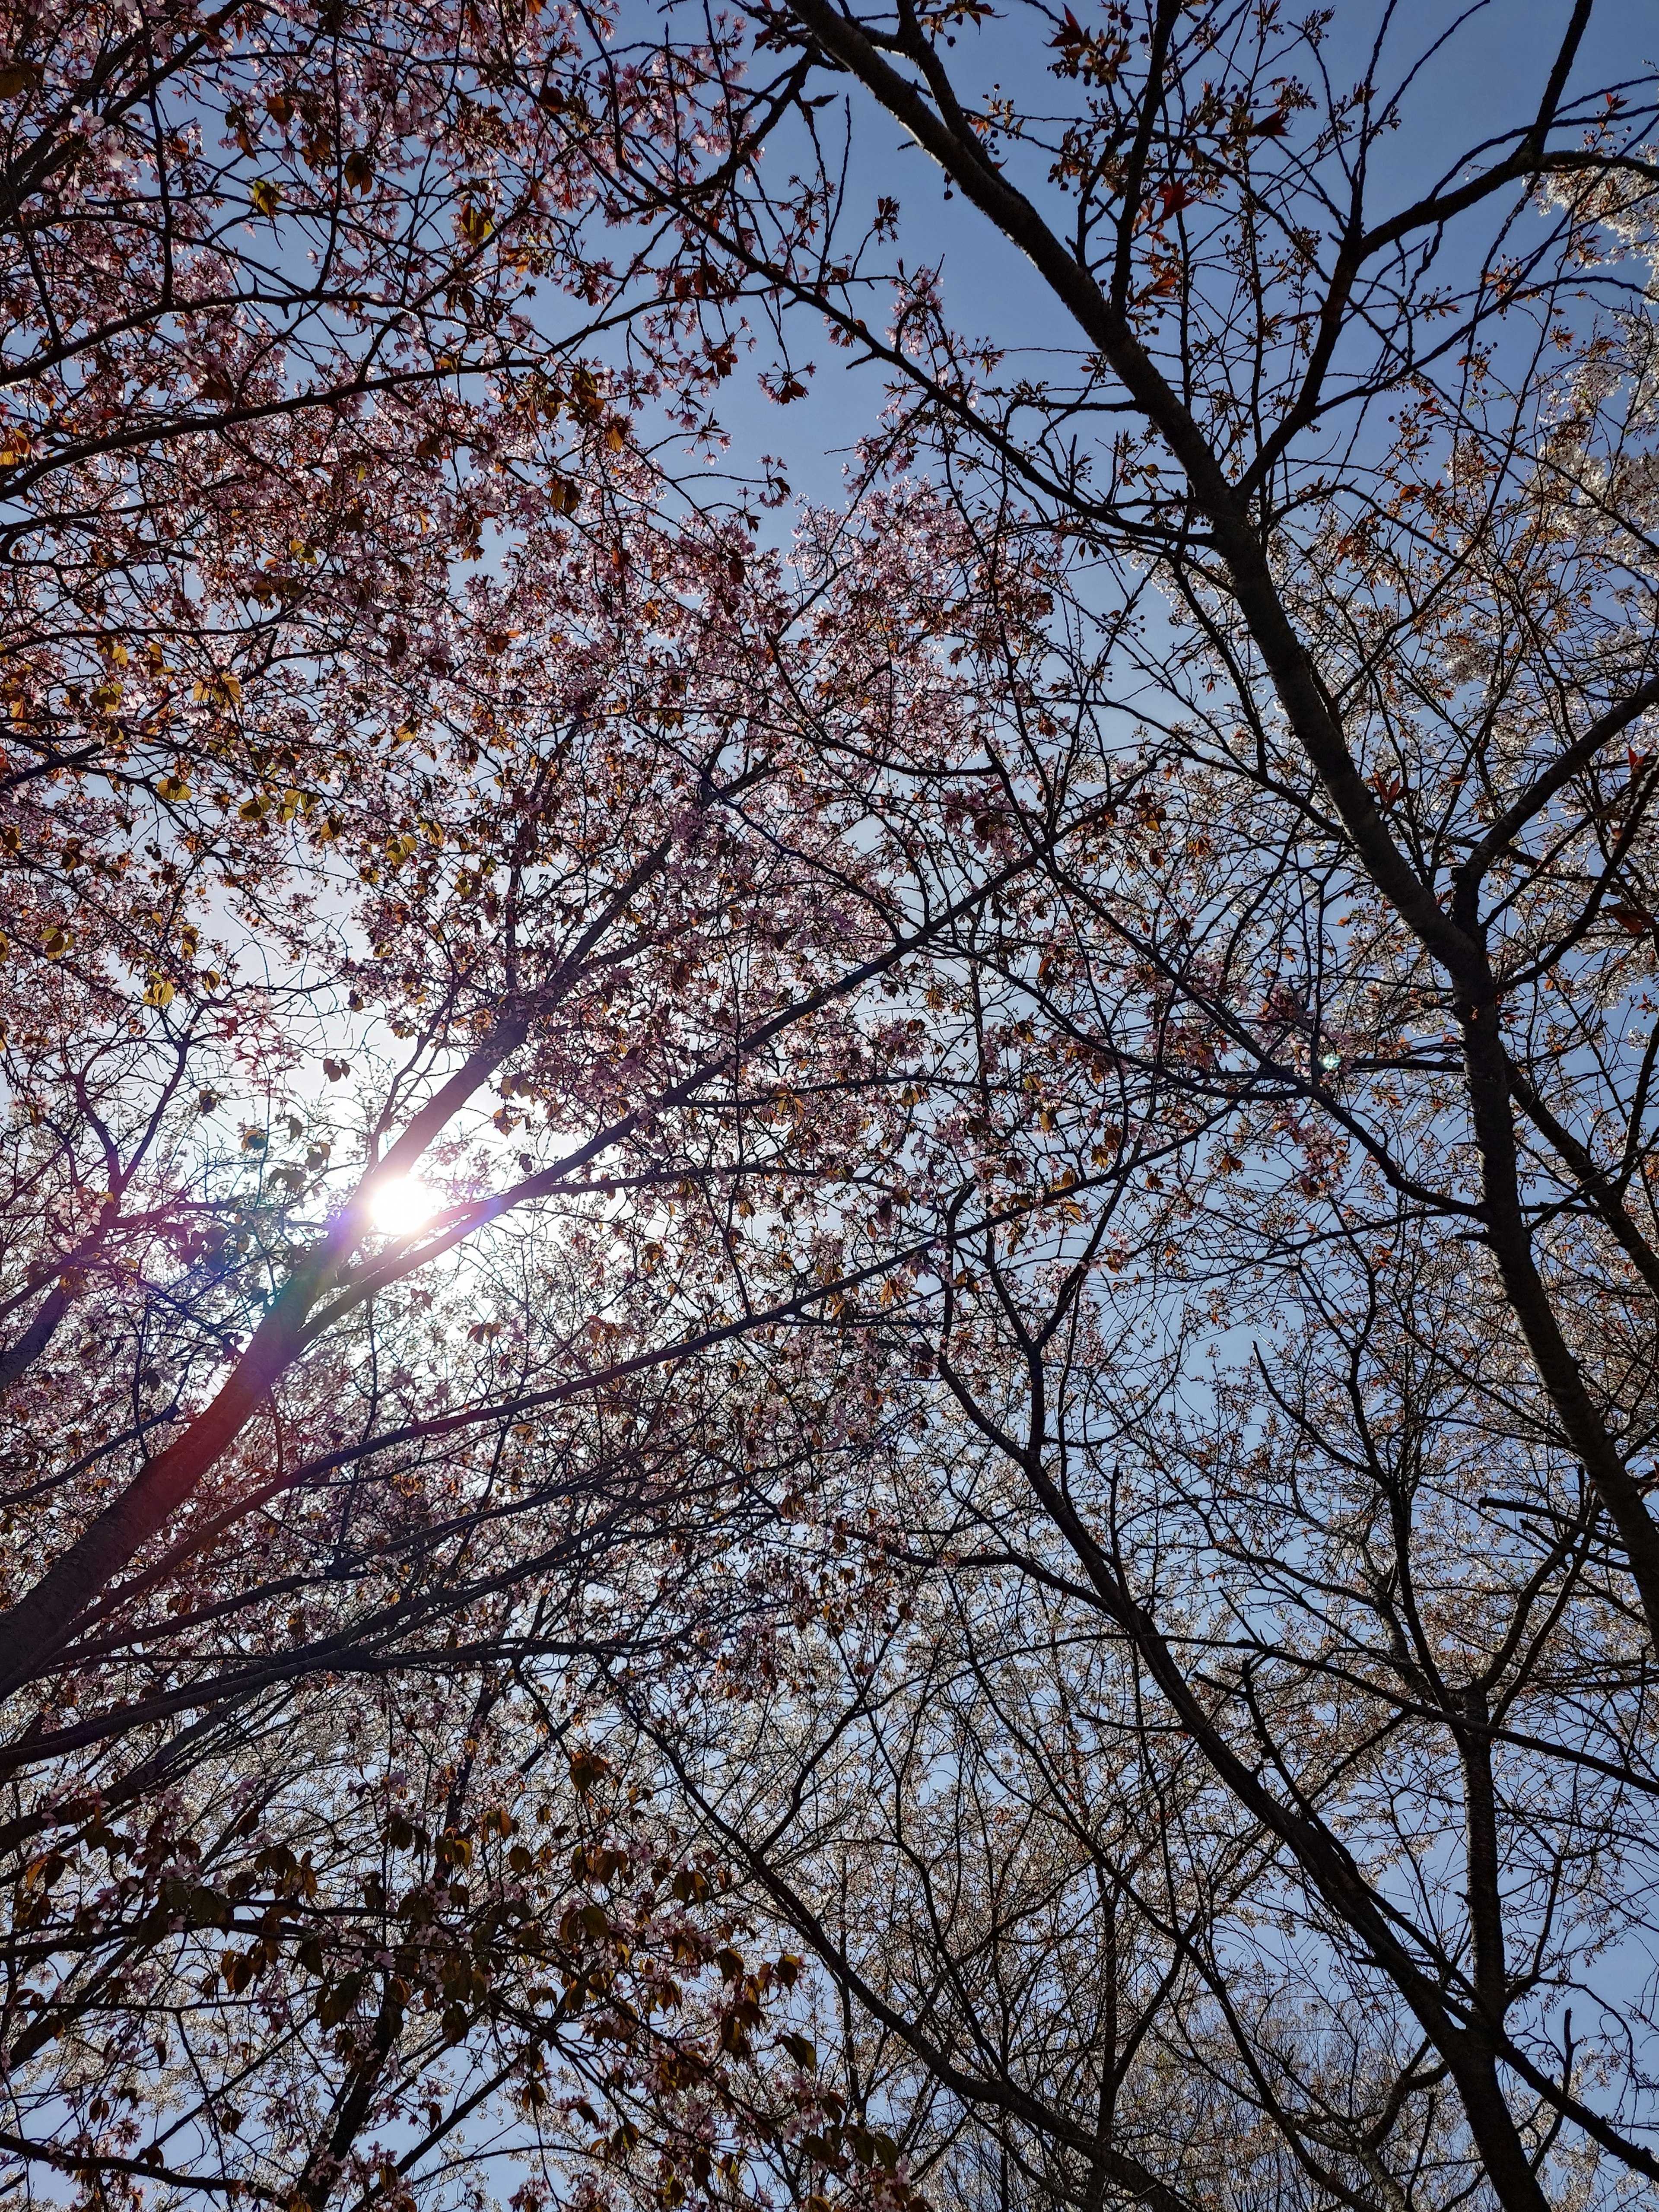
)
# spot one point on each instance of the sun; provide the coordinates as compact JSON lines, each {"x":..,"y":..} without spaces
{"x":401,"y":1207}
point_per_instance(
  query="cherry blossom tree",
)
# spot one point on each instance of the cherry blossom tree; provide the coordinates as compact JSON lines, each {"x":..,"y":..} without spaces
{"x":463,"y":897}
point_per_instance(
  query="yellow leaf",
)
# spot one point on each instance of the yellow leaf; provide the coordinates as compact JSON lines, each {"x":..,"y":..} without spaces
{"x":266,"y":197}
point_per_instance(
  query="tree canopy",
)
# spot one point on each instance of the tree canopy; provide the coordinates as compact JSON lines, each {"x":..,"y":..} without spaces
{"x":830,"y":1325}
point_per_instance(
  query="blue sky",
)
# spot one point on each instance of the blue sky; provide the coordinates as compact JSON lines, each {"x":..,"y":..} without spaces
{"x":1489,"y":76}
